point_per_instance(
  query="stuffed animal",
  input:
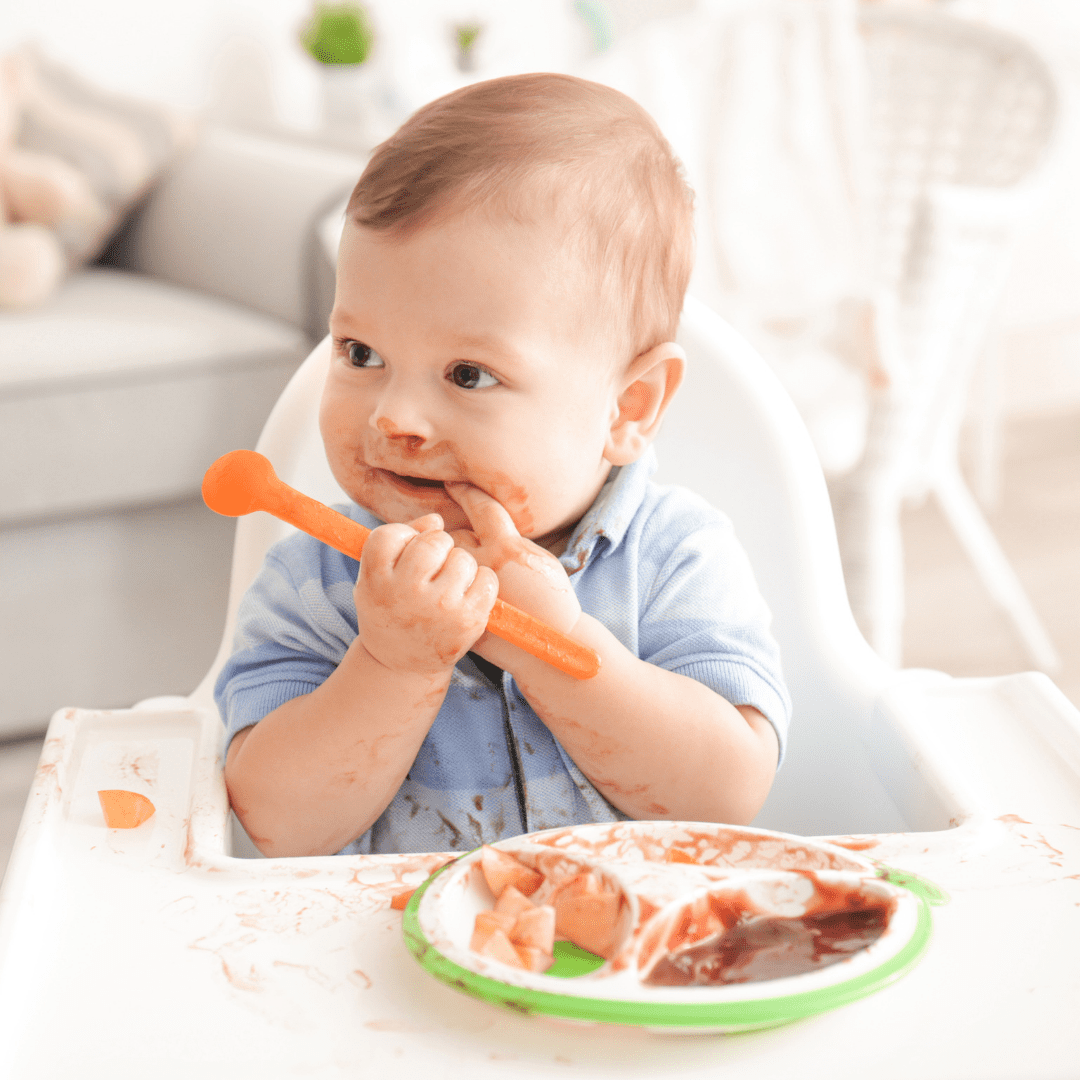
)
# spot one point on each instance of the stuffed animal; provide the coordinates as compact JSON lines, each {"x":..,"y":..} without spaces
{"x":46,"y":205}
{"x":74,"y":159}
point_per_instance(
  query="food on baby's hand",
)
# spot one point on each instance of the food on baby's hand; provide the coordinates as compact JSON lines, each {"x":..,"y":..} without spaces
{"x":124,"y":809}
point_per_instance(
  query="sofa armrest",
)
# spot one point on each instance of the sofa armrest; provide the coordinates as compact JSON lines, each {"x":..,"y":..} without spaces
{"x":237,"y":217}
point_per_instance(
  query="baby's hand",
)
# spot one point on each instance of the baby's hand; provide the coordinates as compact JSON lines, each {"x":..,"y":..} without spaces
{"x":530,"y":578}
{"x":421,"y":602}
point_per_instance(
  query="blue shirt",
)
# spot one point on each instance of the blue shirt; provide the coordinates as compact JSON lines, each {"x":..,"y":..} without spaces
{"x":658,"y":566}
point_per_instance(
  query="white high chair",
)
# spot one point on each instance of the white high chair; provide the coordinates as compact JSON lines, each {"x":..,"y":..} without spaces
{"x":157,"y":952}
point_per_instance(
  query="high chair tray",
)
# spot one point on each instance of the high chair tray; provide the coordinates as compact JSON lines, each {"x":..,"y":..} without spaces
{"x":157,"y":952}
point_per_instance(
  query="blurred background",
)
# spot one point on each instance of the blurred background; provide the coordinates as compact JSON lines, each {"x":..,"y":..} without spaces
{"x":886,"y":207}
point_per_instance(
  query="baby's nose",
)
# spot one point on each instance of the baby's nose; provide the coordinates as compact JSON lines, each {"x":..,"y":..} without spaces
{"x":386,"y":428}
{"x":400,"y":417}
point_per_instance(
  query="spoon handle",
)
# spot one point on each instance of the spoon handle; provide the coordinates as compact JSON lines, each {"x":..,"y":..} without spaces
{"x":507,"y":622}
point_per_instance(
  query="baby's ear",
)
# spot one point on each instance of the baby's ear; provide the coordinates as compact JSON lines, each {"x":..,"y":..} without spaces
{"x":645,"y":391}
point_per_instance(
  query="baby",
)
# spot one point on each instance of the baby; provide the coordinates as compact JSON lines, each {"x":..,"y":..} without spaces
{"x":509,"y":285}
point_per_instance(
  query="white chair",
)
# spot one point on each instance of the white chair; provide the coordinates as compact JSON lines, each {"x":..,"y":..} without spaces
{"x":159,"y":952}
{"x":862,"y":173}
{"x":961,"y":120}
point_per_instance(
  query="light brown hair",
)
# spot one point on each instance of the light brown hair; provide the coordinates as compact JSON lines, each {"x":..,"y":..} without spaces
{"x":546,"y":147}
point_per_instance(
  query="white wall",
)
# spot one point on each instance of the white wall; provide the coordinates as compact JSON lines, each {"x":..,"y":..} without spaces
{"x":239,"y":60}
{"x":243,"y":55}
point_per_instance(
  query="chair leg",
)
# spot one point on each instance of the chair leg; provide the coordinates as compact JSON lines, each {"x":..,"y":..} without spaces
{"x":982,"y":547}
{"x":871,"y":551}
{"x":986,"y":422}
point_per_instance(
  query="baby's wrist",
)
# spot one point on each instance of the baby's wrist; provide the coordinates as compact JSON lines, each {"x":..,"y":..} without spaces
{"x":382,"y":662}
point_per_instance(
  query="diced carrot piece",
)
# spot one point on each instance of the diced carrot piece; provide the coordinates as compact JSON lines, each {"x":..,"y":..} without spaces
{"x":513,"y":902}
{"x":677,"y":856}
{"x":534,"y":959}
{"x":535,"y":927}
{"x":400,"y":901}
{"x":579,"y":885}
{"x":498,"y":947}
{"x":500,"y":870}
{"x":487,"y":922}
{"x":588,"y":920}
{"x":124,"y":809}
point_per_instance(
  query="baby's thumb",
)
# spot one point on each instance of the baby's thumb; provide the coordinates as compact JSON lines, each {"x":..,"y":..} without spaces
{"x":427,"y":523}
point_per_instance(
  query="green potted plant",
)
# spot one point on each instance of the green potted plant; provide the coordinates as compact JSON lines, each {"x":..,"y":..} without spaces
{"x":339,"y":34}
{"x":465,"y":38}
{"x":340,"y":37}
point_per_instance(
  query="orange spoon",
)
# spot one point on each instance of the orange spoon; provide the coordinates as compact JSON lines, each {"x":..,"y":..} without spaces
{"x":244,"y":481}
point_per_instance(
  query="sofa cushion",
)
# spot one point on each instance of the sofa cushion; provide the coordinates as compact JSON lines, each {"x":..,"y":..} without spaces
{"x":122,"y":390}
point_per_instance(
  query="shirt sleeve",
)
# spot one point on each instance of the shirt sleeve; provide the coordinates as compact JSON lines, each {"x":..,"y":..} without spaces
{"x":294,"y":625}
{"x":701,"y":614}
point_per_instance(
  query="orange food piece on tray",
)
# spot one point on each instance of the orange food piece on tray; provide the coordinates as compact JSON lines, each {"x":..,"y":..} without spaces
{"x":513,"y":902}
{"x":498,"y":947}
{"x":487,"y":922}
{"x":400,"y":901}
{"x":535,"y":928}
{"x":676,"y":856}
{"x":534,"y":959}
{"x":124,"y":809}
{"x":587,"y":915}
{"x":501,"y":870}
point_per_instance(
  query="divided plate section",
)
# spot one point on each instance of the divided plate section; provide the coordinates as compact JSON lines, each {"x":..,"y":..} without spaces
{"x":668,"y":903}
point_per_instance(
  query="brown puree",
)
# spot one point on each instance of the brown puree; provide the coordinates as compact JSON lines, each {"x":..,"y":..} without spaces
{"x":754,"y":948}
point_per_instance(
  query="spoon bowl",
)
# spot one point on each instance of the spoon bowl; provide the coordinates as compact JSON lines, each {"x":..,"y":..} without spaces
{"x":238,"y":483}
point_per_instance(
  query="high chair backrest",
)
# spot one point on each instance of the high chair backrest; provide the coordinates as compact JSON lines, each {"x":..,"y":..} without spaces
{"x":733,"y":435}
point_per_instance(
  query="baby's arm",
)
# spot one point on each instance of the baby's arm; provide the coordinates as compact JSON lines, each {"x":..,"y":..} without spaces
{"x":655,"y":743}
{"x":317,"y":771}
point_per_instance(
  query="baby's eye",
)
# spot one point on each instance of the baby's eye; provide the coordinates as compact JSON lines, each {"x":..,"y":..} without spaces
{"x":362,"y":356}
{"x":471,"y":377}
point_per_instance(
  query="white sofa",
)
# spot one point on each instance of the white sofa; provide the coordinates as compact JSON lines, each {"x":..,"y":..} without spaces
{"x":117,"y":395}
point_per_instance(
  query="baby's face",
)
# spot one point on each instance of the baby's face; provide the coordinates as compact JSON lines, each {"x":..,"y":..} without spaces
{"x":459,"y":356}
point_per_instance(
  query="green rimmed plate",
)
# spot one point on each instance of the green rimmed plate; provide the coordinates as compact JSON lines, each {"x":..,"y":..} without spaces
{"x":636,"y":857}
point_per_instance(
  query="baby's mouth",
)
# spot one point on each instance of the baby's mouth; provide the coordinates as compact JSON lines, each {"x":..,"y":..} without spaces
{"x":414,"y":481}
{"x":419,"y":481}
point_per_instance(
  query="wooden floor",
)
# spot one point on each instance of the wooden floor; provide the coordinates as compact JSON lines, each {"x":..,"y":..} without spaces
{"x":951,"y":624}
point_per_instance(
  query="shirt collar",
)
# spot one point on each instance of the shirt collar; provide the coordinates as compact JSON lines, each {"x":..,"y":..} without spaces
{"x":610,"y":514}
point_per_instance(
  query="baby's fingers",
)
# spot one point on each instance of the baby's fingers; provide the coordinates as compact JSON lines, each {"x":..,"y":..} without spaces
{"x":425,"y":554}
{"x":427,"y":523}
{"x":489,"y":519}
{"x":383,"y":548}
{"x":484,"y":590}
